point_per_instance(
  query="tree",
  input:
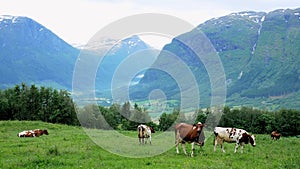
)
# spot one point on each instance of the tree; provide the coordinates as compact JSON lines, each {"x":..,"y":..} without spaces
{"x":199,"y":116}
{"x":45,"y":104}
{"x":5,"y":113}
{"x":86,"y":117}
{"x":287,"y":122}
{"x":138,"y":116}
{"x":33,"y":104}
{"x":125,"y":110}
{"x":166,"y":121}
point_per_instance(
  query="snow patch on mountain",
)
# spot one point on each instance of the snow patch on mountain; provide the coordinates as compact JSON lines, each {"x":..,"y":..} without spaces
{"x":8,"y":18}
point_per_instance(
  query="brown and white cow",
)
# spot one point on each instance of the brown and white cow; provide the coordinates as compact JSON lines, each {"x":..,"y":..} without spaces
{"x":232,"y":135}
{"x":275,"y":135}
{"x":39,"y":132}
{"x":27,"y":133}
{"x":32,"y":133}
{"x":144,"y":133}
{"x":190,"y":134}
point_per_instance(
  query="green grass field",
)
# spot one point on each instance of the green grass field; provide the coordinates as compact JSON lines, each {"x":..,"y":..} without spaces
{"x":71,"y":147}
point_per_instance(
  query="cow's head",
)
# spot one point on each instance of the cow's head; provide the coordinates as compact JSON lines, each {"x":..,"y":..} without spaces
{"x":199,"y":126}
{"x":45,"y":132}
{"x":246,"y":138}
{"x":252,"y":140}
{"x":152,"y":129}
{"x":201,"y":138}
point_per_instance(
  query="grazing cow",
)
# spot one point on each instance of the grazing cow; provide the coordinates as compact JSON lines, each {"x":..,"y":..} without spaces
{"x":190,"y":134}
{"x":144,"y":133}
{"x":32,"y":133}
{"x":232,"y":135}
{"x":275,"y":135}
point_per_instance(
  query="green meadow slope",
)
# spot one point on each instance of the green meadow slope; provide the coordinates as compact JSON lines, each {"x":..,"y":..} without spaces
{"x":71,"y":147}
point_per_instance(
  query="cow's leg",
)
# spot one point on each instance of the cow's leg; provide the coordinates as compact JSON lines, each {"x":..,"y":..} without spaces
{"x":215,"y":144}
{"x":242,"y":147}
{"x":176,"y":145}
{"x":220,"y":141}
{"x":236,"y":147}
{"x":183,"y":147}
{"x":222,"y":146}
{"x":193,"y":149}
{"x":150,"y":139}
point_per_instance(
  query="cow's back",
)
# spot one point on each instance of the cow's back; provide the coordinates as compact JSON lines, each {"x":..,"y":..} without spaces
{"x":223,"y":133}
{"x":183,"y":130}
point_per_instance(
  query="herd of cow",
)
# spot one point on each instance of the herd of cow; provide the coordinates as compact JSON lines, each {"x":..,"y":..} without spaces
{"x":194,"y":134}
{"x":187,"y":133}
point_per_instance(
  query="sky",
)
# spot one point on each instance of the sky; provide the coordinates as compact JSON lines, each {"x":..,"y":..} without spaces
{"x":76,"y":21}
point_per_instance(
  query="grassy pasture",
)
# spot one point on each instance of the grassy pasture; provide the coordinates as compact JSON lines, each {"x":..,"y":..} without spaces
{"x":71,"y":147}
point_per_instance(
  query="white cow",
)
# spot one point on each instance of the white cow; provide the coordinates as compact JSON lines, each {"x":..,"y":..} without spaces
{"x":144,"y":133}
{"x":232,"y":135}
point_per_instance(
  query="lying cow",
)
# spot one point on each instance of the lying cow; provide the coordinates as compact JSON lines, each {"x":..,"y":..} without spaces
{"x":275,"y":135}
{"x":232,"y":135}
{"x":144,"y":133}
{"x":39,"y":132}
{"x":28,"y":133}
{"x":32,"y":133}
{"x":190,"y":134}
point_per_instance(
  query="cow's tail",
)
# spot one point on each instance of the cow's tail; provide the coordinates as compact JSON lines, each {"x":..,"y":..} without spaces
{"x":176,"y":135}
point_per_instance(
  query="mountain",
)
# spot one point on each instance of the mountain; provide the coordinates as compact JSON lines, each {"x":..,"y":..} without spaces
{"x":260,"y":56}
{"x":115,"y":57}
{"x":31,"y":53}
{"x":259,"y":52}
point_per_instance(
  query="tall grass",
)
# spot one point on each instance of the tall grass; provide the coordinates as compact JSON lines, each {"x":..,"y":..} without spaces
{"x":70,"y":147}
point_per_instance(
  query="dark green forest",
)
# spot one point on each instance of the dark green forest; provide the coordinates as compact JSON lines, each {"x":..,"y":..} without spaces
{"x":56,"y":106}
{"x":37,"y":103}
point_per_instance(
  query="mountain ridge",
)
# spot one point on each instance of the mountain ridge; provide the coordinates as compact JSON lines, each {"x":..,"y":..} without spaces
{"x":259,"y":52}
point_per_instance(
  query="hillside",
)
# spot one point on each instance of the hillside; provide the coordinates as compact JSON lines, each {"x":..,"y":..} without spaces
{"x":260,"y":55}
{"x":71,"y":147}
{"x":31,"y":53}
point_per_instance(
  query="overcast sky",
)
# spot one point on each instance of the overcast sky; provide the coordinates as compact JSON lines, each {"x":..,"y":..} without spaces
{"x":76,"y":21}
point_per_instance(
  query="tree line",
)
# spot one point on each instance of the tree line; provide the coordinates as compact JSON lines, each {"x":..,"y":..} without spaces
{"x":56,"y":106}
{"x":32,"y":103}
{"x":123,"y":117}
{"x":285,"y":121}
